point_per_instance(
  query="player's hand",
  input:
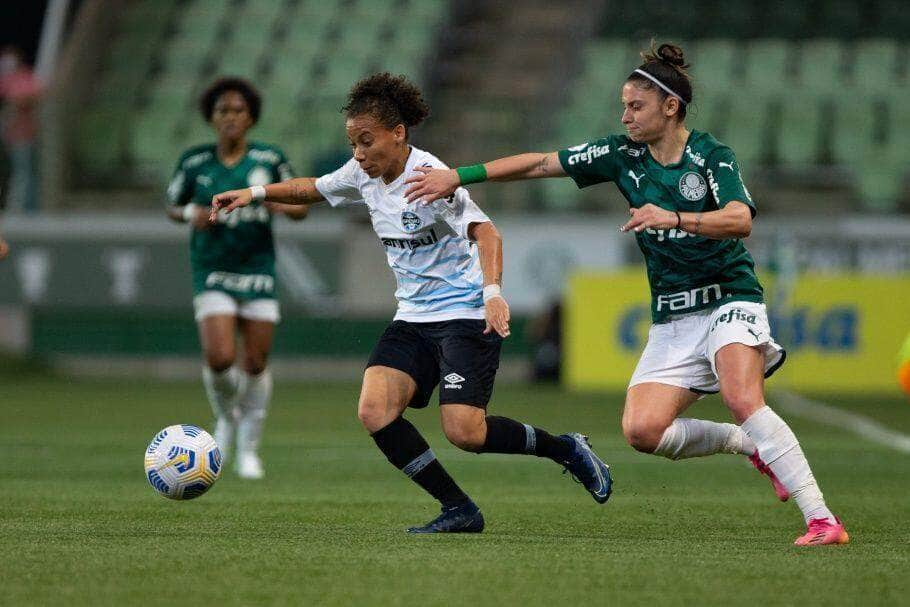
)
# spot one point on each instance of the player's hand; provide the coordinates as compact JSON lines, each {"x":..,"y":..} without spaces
{"x":230,"y":201}
{"x":497,"y":315}
{"x":650,"y":216}
{"x":430,"y":184}
{"x":202,"y":219}
{"x":4,"y":248}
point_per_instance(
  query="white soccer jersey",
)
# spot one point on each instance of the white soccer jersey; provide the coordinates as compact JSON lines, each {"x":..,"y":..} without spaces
{"x":437,"y":267}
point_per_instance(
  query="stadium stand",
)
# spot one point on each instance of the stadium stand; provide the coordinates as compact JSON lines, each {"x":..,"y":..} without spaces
{"x":780,"y":104}
{"x":303,"y":55}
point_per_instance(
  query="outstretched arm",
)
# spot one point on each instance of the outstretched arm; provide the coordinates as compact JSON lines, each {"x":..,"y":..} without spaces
{"x":432,"y":184}
{"x":300,"y":191}
{"x":489,"y":242}
{"x":732,"y":221}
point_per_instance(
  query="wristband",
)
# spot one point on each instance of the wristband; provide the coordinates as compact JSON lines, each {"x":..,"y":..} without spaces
{"x":472,"y":174}
{"x":189,"y":212}
{"x":491,"y":291}
{"x":257,"y":192}
{"x":678,"y":220}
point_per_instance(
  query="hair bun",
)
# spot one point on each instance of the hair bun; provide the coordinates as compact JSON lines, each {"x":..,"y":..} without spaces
{"x":672,"y":54}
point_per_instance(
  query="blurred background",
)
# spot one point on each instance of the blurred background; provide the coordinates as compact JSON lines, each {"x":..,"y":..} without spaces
{"x":100,"y":98}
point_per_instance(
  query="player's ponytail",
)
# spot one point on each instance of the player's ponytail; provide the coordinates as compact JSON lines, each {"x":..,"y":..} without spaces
{"x":665,"y":68}
{"x":391,"y":100}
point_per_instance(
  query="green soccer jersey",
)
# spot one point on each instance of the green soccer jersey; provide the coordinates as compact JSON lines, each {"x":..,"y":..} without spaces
{"x":686,"y":272}
{"x":237,"y":254}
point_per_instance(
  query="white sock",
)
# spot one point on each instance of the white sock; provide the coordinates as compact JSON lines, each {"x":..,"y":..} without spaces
{"x":779,"y":449}
{"x":221,"y":389}
{"x":687,"y":437}
{"x":253,"y":407}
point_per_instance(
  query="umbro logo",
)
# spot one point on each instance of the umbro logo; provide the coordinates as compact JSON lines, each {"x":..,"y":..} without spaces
{"x":453,"y":380}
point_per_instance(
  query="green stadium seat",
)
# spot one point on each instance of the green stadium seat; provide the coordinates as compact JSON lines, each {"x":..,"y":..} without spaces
{"x":747,"y":127}
{"x":821,"y":64}
{"x":707,"y":113}
{"x":800,"y":129}
{"x":101,"y":137}
{"x":715,"y":66}
{"x":875,"y":63}
{"x":185,"y":56}
{"x":607,"y":63}
{"x":854,"y":132}
{"x":880,"y":185}
{"x":768,"y":63}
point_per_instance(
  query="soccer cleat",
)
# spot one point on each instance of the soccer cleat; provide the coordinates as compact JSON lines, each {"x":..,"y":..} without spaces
{"x":781,"y":491}
{"x":587,"y":468}
{"x":249,"y":465}
{"x":457,"y":519}
{"x":822,"y":531}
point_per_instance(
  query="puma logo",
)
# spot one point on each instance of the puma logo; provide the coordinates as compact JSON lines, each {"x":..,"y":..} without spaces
{"x":637,"y":178}
{"x":754,"y":334}
{"x":729,"y":165}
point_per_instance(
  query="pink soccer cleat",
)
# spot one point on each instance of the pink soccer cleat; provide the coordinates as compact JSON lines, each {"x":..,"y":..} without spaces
{"x":781,"y":491}
{"x":822,"y":531}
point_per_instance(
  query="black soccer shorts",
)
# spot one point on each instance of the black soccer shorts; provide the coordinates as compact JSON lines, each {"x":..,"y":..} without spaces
{"x":455,"y":354}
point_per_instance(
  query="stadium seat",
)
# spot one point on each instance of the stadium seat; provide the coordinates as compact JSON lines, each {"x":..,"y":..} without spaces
{"x":715,"y":66}
{"x":821,"y":65}
{"x":768,"y":64}
{"x":747,"y":129}
{"x":800,"y":129}
{"x":854,"y":127}
{"x":875,"y":63}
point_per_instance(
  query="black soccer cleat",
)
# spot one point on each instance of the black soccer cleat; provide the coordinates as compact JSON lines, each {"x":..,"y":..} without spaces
{"x":588,"y":469}
{"x":457,"y":519}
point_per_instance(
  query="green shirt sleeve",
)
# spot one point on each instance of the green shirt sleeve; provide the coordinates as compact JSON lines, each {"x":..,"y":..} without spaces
{"x":726,"y":180}
{"x":283,"y":170}
{"x":591,"y":163}
{"x":180,"y":188}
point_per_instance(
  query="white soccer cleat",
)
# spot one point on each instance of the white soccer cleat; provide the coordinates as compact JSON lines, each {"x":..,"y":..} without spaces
{"x":249,"y":465}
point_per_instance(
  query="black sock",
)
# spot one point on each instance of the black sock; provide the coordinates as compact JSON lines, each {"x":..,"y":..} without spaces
{"x":407,"y":450}
{"x":506,"y":435}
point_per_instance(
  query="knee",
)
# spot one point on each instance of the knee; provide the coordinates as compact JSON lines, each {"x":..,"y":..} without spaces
{"x":373,"y":414}
{"x":468,"y":437}
{"x":254,"y":363}
{"x":742,"y":404}
{"x":219,"y":359}
{"x":643,"y":437}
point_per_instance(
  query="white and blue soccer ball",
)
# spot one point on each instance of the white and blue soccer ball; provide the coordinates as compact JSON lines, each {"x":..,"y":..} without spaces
{"x":182,"y":462}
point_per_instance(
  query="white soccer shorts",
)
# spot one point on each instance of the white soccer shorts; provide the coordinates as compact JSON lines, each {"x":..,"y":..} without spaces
{"x":211,"y":303}
{"x":681,"y":352}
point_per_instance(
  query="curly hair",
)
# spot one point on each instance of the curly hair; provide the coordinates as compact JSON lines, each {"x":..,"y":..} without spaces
{"x":667,"y":64}
{"x":210,"y":96}
{"x":391,"y":100}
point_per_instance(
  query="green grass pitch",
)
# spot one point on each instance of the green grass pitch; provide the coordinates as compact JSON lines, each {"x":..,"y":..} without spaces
{"x":79,"y":525}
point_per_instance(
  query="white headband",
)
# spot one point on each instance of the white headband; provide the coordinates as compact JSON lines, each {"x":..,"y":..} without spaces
{"x":660,"y":84}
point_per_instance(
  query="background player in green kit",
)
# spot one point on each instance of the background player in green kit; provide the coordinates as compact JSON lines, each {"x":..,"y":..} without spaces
{"x":233,"y":264}
{"x":689,"y":209}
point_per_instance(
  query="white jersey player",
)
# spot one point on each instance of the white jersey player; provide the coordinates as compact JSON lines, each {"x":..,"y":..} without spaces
{"x":452,"y":317}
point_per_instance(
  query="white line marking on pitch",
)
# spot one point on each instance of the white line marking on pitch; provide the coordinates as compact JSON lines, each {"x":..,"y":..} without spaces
{"x":845,"y":420}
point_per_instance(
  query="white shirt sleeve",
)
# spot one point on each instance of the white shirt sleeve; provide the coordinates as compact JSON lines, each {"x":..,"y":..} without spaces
{"x":459,"y":211}
{"x":342,"y":187}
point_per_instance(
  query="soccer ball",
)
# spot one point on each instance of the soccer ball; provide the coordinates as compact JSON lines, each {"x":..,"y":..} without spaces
{"x":182,"y":462}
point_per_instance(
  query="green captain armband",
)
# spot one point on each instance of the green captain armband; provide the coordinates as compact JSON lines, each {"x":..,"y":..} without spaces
{"x":475,"y":173}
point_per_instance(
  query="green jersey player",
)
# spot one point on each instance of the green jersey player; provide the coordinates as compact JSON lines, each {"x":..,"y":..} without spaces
{"x":233,"y":264}
{"x":689,"y":211}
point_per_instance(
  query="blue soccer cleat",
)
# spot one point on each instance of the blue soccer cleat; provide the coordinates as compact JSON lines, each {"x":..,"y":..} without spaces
{"x":587,"y":468}
{"x":457,"y":519}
